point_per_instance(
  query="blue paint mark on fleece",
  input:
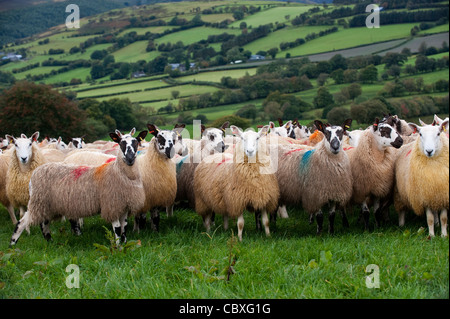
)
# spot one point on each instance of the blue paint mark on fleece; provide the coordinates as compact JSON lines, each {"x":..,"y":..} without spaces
{"x":180,"y":163}
{"x":304,"y":162}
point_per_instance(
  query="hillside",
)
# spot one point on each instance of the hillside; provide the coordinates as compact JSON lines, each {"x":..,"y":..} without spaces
{"x":183,"y":61}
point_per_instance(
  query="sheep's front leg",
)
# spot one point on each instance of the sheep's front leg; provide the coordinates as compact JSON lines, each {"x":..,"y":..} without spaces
{"x":377,"y":211}
{"x":240,"y":224}
{"x":10,"y":209}
{"x":75,"y":226}
{"x":123,"y":228}
{"x":430,"y":222}
{"x":139,"y":221}
{"x":401,"y":218}
{"x":117,"y":230}
{"x":20,"y":227}
{"x":169,"y":211}
{"x":444,"y":223}
{"x":265,"y":221}
{"x":282,"y":211}
{"x":45,"y":228}
{"x":207,"y":222}
{"x":155,"y":219}
{"x":319,"y":219}
{"x":225,"y":222}
{"x":331,"y":216}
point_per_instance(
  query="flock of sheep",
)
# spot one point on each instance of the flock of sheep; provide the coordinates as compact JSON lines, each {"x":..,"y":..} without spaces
{"x":389,"y":162}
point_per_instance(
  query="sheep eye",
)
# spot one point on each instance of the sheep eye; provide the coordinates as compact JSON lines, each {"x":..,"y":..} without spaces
{"x":211,"y":137}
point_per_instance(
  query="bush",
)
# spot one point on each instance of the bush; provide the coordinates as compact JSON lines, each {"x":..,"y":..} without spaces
{"x":338,"y":115}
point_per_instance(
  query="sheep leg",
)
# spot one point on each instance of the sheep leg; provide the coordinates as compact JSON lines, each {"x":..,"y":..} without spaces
{"x":331,"y":216}
{"x":45,"y":228}
{"x":282,"y":211}
{"x":155,"y":219}
{"x":265,"y":221}
{"x":20,"y":227}
{"x":436,"y":218}
{"x":343,"y":213}
{"x":207,"y":222}
{"x":22,"y":211}
{"x":117,"y":230}
{"x":319,"y":219}
{"x":366,"y":215}
{"x":10,"y":209}
{"x":75,"y":226}
{"x":401,"y":218}
{"x":240,"y":224}
{"x":225,"y":222}
{"x":139,"y":221}
{"x":123,"y":228}
{"x":430,"y":222}
{"x":169,"y":211}
{"x":444,"y":223}
{"x":377,"y":211}
{"x":258,"y":220}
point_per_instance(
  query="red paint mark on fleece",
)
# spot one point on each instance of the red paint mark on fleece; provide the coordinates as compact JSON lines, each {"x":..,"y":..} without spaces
{"x":409,"y":152}
{"x":348,"y":148}
{"x":77,"y":172}
{"x":109,"y":160}
{"x":292,"y":151}
{"x":224,"y":160}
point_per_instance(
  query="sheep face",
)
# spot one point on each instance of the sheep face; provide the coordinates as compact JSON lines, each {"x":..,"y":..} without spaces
{"x":180,"y":147}
{"x":23,"y":146}
{"x":333,"y":135}
{"x":214,"y":140}
{"x":249,"y":139}
{"x":128,"y":145}
{"x":78,"y":142}
{"x":386,"y":135}
{"x":286,"y":130}
{"x":429,"y":142}
{"x":164,"y":140}
{"x":354,"y":136}
{"x":302,"y":131}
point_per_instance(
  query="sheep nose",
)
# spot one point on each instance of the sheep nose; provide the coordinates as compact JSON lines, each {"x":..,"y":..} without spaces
{"x":429,"y":152}
{"x":24,"y":159}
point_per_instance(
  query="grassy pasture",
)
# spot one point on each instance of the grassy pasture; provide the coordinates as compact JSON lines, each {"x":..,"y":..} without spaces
{"x":190,"y":36}
{"x":347,"y":38}
{"x":182,"y":261}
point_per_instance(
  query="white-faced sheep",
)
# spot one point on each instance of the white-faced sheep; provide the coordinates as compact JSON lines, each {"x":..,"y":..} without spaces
{"x":422,"y":173}
{"x":113,"y":190}
{"x":4,"y":163}
{"x":227,"y":184}
{"x":158,"y":175}
{"x":372,"y":165}
{"x":24,"y":159}
{"x":318,"y":176}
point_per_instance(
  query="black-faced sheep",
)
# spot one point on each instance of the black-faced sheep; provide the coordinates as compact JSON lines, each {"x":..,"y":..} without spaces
{"x":113,"y":190}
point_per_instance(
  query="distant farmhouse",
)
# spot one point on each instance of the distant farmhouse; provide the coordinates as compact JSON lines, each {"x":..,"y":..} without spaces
{"x":256,"y":57}
{"x":181,"y":66}
{"x":12,"y":57}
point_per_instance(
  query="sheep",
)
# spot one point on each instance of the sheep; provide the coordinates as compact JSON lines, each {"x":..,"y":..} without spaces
{"x":422,"y":173}
{"x":158,"y":175}
{"x":317,"y":176}
{"x":77,"y":142}
{"x":24,"y":159}
{"x":113,"y":189}
{"x":89,"y":158}
{"x":4,"y":200}
{"x":286,"y":130}
{"x":372,"y":165}
{"x":227,"y":184}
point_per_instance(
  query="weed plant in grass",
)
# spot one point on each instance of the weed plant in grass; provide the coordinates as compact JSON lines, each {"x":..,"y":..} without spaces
{"x":182,"y":261}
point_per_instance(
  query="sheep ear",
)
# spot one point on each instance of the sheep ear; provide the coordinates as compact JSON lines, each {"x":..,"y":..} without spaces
{"x":59,"y":140}
{"x":118,"y":133}
{"x":23,"y":136}
{"x":34,"y":137}
{"x":236,"y":130}
{"x":422,"y":122}
{"x":288,"y":124}
{"x":415,"y":127}
{"x":271,"y":125}
{"x":295,"y":122}
{"x":280,"y":122}
{"x":347,"y":124}
{"x":436,"y":119}
{"x":10,"y":138}
{"x":179,"y":128}
{"x":320,"y":126}
{"x":133,"y":130}
{"x":82,"y":138}
{"x":115,"y":137}
{"x":141,"y":136}
{"x":375,"y":125}
{"x":224,"y":126}
{"x":153,"y":129}
{"x":264,"y":130}
{"x":444,"y":126}
{"x":202,"y":128}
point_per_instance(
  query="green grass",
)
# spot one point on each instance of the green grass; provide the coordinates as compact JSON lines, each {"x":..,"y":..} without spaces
{"x":182,"y":261}
{"x":347,"y":38}
{"x":135,"y":52}
{"x":216,"y":76}
{"x":193,"y":35}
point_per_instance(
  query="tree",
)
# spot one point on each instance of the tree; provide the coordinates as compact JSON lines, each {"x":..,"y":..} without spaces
{"x":354,"y":90}
{"x":272,"y":52}
{"x":338,"y":115}
{"x":27,"y":107}
{"x":97,"y":71}
{"x":273,"y":110}
{"x":324,"y":100}
{"x":369,"y":74}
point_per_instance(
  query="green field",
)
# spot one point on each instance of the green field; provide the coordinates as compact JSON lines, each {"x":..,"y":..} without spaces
{"x":182,"y":261}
